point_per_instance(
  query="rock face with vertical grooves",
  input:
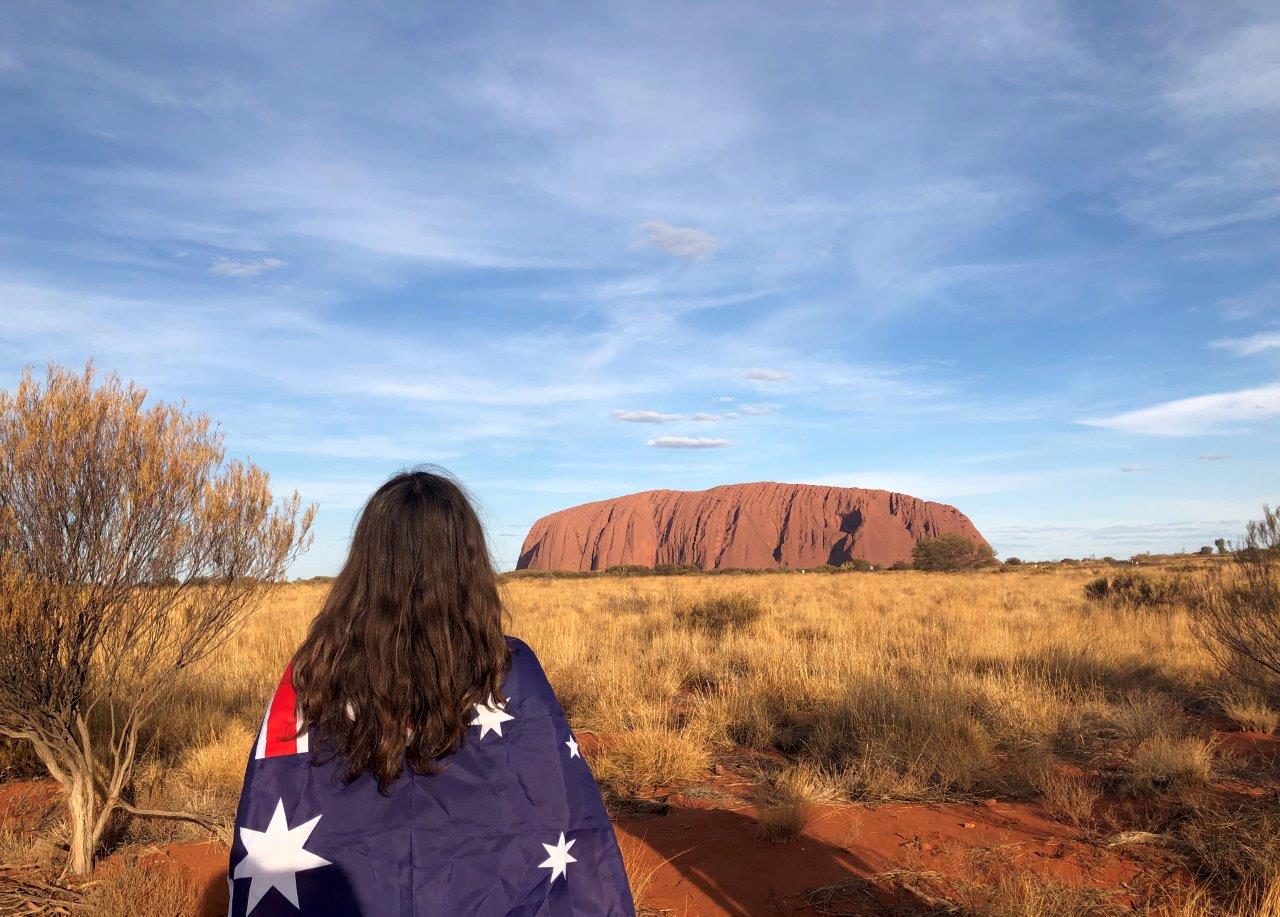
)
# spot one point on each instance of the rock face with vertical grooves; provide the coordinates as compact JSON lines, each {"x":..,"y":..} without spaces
{"x":740,"y":526}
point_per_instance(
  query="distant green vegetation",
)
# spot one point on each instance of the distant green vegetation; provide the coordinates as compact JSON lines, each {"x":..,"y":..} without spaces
{"x":951,"y":552}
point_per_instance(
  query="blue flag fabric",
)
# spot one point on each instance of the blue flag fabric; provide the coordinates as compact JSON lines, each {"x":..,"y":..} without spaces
{"x":513,"y":826}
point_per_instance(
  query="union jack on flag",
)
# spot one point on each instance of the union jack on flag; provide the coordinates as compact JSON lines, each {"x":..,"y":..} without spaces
{"x":512,"y":826}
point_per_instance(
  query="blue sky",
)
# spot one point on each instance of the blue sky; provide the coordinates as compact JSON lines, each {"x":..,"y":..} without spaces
{"x":1020,"y":257}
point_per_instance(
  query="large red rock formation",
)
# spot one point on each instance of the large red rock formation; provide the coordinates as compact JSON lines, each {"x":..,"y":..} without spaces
{"x":740,"y":525}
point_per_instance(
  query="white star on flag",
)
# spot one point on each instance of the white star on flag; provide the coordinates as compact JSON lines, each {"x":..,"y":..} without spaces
{"x":558,"y":858}
{"x":274,"y":858}
{"x":490,"y":717}
{"x":573,"y":747}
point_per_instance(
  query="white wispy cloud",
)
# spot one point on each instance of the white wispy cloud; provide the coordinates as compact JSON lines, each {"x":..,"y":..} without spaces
{"x":1133,"y":469}
{"x":704,"y":417}
{"x":1238,"y":76}
{"x":681,"y":241}
{"x":757,"y":410}
{"x":1247,"y":346}
{"x":722,"y":399}
{"x":228,"y":268}
{"x":929,"y":485}
{"x":1213,"y":457}
{"x":1121,"y":538}
{"x":1200,"y":414}
{"x":687,"y":442}
{"x":764,"y":374}
{"x":645,"y":417}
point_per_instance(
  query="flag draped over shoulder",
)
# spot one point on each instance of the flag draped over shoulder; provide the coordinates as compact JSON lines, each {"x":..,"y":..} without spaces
{"x":512,"y":826}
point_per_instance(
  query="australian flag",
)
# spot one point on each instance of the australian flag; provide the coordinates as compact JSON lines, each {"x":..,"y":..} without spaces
{"x":512,"y":826}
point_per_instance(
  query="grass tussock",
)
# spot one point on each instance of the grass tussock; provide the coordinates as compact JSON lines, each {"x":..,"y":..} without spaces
{"x":1168,"y":763}
{"x":785,"y":802}
{"x":726,"y":613}
{"x":1029,"y":895}
{"x":1233,"y":851}
{"x":1069,"y":798}
{"x":650,"y":757}
{"x":128,"y":884}
{"x":1135,"y":590}
{"x":1249,"y":710}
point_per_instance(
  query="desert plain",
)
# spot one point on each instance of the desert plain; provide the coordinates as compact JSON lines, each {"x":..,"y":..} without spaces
{"x":994,"y":742}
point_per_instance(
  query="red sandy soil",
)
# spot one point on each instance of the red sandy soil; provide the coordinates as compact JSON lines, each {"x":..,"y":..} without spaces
{"x":28,"y":802}
{"x":1254,"y":748}
{"x":700,"y":847}
{"x":753,"y":526}
{"x":706,"y":860}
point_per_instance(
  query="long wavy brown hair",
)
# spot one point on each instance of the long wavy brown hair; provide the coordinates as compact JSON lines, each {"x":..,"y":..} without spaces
{"x":410,"y":637}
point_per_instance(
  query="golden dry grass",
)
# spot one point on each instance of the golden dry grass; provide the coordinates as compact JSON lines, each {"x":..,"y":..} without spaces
{"x":893,"y":685}
{"x":900,"y":685}
{"x":785,"y":802}
{"x":1249,"y":710}
{"x":134,"y":886}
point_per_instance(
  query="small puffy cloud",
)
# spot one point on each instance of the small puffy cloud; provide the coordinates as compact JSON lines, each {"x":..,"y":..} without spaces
{"x":1244,"y":347}
{"x":1131,"y":469}
{"x":687,"y":442}
{"x":681,"y":241}
{"x":723,"y":399}
{"x":757,"y":410}
{"x":763,"y":374}
{"x":228,"y":268}
{"x":1213,"y":457}
{"x":1192,"y":416}
{"x":645,"y":417}
{"x":704,"y":417}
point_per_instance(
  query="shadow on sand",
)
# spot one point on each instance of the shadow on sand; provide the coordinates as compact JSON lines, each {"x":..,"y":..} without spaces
{"x":716,"y":865}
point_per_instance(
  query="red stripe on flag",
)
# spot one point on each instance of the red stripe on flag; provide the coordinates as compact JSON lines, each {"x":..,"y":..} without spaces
{"x":282,"y":719}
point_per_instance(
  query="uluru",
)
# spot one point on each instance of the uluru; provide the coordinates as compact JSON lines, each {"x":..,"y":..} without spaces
{"x":740,"y":526}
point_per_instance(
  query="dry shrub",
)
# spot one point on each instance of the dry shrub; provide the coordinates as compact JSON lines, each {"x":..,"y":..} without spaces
{"x":650,"y":757}
{"x":1236,"y":608}
{"x":734,"y":612}
{"x":131,"y":548}
{"x":1249,"y":710}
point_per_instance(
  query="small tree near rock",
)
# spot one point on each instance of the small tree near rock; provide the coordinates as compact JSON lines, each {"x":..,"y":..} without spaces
{"x":951,"y":552}
{"x":129,"y":550}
